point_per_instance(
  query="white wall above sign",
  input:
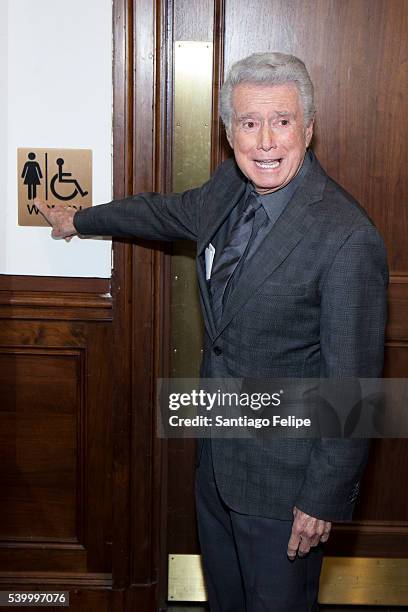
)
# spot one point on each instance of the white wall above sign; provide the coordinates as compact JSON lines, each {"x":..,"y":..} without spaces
{"x":56,"y":75}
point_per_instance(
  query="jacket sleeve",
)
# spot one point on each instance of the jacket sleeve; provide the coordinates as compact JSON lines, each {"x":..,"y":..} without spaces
{"x":147,"y":215}
{"x":353,"y":318}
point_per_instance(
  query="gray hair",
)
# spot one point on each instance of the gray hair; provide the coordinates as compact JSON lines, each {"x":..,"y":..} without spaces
{"x":268,"y":69}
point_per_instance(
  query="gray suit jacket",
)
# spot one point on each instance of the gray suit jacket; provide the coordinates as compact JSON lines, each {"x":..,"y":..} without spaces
{"x":311,"y":303}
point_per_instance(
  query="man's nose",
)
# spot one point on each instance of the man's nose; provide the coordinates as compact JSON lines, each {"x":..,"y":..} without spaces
{"x":267,"y":138}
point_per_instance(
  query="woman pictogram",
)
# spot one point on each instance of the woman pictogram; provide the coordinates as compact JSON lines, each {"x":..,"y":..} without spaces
{"x":32,"y":176}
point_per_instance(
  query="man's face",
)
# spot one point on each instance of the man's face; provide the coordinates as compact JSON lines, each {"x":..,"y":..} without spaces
{"x":268,"y":134}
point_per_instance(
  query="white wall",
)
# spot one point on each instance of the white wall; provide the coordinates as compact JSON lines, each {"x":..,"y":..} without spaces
{"x":58,"y":71}
{"x":3,"y":127}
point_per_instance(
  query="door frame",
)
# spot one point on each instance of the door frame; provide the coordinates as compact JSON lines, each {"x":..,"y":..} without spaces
{"x":140,"y":313}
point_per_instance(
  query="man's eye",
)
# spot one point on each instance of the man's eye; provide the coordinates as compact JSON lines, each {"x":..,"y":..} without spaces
{"x":249,"y":124}
{"x":284,"y":121}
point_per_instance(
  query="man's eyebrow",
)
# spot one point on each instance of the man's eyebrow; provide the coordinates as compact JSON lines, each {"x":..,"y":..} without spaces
{"x":239,"y":117}
{"x":284,"y":114}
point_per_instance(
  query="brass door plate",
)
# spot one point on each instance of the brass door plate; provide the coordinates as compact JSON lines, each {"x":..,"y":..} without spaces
{"x":192,"y":113}
{"x":193,"y":74}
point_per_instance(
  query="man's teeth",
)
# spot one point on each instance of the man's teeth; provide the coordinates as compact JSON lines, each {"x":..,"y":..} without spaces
{"x":268,"y":163}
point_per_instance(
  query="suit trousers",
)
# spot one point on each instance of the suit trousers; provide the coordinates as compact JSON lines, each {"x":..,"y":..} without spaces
{"x":246,"y":567}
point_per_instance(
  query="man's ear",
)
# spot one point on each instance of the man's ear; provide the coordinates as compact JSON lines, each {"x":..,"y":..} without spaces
{"x":229,"y":138}
{"x":309,"y":132}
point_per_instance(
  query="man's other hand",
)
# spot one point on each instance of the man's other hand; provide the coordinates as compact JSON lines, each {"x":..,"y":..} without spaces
{"x":61,"y":219}
{"x":307,"y":532}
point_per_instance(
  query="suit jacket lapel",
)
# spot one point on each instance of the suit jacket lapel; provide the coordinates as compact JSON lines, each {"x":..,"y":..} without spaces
{"x":205,"y":297}
{"x":289,"y":229}
{"x":226,"y":192}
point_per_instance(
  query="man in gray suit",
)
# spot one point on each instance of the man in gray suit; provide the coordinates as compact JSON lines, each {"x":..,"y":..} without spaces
{"x":293,"y":279}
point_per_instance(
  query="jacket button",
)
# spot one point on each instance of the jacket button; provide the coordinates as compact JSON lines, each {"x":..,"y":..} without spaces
{"x":217,"y":350}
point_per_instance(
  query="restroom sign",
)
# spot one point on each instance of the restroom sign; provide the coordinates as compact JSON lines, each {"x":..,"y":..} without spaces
{"x":55,"y":176}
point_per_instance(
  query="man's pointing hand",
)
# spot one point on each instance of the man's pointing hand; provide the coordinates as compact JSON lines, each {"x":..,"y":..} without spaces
{"x":61,"y":219}
{"x":307,"y":532}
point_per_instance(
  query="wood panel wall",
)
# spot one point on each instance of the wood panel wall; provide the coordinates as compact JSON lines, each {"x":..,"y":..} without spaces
{"x":55,"y":433}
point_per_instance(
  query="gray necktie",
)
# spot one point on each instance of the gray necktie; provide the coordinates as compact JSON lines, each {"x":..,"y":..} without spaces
{"x":232,"y":253}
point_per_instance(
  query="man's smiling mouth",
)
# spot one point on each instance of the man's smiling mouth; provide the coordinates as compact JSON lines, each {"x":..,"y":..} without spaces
{"x":268,"y":164}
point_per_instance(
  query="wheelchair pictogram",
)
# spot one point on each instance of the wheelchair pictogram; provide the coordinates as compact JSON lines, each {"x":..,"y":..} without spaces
{"x":62,"y":178}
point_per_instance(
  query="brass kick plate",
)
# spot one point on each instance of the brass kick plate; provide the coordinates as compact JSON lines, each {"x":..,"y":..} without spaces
{"x":344,"y":580}
{"x":186,"y":581}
